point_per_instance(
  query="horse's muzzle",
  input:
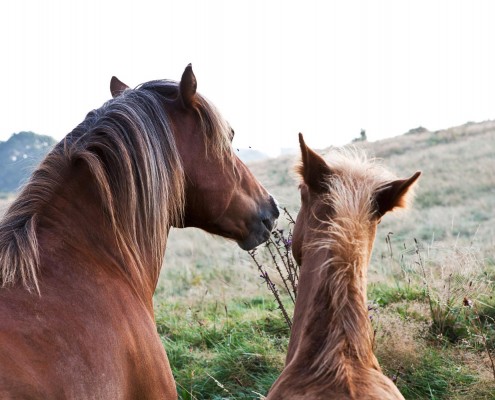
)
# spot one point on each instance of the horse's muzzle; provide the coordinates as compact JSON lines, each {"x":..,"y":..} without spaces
{"x":263,"y":227}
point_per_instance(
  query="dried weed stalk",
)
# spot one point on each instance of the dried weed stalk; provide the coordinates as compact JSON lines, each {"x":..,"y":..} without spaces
{"x":276,"y":255}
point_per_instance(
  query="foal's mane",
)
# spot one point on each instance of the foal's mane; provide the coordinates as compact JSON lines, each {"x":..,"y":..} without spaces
{"x":129,"y":148}
{"x":344,"y":236}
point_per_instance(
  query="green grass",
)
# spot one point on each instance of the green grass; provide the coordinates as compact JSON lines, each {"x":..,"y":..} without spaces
{"x":425,"y":331}
{"x":236,"y":350}
{"x":218,"y":350}
{"x":436,"y":376}
{"x":384,"y":294}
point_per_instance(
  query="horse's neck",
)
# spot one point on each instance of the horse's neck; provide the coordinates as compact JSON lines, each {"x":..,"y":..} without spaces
{"x":331,"y":328}
{"x":74,"y":225}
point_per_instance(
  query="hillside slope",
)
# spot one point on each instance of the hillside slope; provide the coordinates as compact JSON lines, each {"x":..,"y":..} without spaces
{"x":454,"y":205}
{"x":454,"y":202}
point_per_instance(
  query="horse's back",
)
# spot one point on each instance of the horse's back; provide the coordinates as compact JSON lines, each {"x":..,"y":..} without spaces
{"x":75,"y":343}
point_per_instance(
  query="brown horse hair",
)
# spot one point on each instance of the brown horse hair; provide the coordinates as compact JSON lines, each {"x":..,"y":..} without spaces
{"x":352,"y":186}
{"x":129,"y":148}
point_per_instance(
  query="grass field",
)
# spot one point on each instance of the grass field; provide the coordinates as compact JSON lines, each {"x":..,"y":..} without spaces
{"x":226,"y":343}
{"x":431,"y":282}
{"x":227,"y":339}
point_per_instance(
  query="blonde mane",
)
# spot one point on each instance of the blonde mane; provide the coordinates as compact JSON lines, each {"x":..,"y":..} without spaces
{"x":128,"y":146}
{"x":345,"y":237}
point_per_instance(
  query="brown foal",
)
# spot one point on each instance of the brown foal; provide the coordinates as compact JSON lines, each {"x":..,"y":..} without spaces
{"x":330,"y":353}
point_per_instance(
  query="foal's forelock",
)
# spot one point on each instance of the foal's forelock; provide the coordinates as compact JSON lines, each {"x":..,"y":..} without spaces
{"x":129,"y":147}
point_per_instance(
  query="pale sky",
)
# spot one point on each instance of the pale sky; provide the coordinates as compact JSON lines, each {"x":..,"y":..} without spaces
{"x":273,"y":68}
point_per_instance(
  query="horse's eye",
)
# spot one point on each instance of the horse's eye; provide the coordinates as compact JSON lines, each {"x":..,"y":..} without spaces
{"x":232,"y":134}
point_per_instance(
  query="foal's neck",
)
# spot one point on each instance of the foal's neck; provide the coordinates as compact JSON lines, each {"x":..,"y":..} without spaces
{"x":331,"y":326}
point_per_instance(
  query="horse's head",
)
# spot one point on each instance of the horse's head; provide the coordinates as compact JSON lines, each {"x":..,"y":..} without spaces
{"x":221,"y":195}
{"x":345,"y":193}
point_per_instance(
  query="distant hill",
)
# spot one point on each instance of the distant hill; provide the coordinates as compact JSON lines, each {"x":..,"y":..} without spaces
{"x":24,"y":150}
{"x":19,"y":156}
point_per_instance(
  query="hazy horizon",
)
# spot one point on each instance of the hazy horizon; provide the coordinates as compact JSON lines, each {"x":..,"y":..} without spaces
{"x":272,"y":68}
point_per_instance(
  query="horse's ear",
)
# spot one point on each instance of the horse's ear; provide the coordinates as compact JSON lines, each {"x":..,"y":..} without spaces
{"x":187,"y":87}
{"x":117,"y":87}
{"x":313,"y":168}
{"x":394,"y":194}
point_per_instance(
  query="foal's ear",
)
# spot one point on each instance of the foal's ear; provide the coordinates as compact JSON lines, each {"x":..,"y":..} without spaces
{"x":117,"y":87}
{"x":187,"y":87}
{"x":313,"y":169}
{"x":394,"y":194}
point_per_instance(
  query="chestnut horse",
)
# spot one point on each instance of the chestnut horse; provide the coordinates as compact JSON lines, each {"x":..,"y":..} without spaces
{"x":330,"y":353}
{"x":82,"y":246}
